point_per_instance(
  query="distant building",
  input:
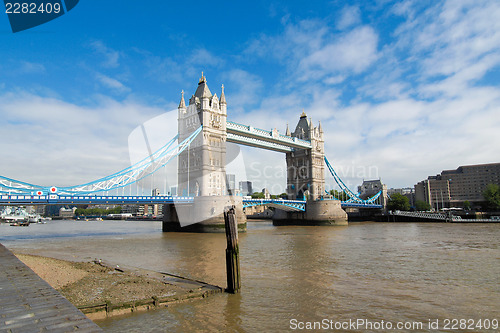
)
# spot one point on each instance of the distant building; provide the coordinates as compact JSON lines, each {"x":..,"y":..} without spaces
{"x":130,"y":209}
{"x":231,"y":184}
{"x":451,"y":188}
{"x":369,"y":188}
{"x":141,"y":210}
{"x":246,"y":188}
{"x":173,"y":190}
{"x":145,"y":210}
{"x":156,"y":208}
{"x":67,"y":213}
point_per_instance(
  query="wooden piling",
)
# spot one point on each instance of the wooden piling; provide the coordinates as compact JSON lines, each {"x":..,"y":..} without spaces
{"x":232,"y":252}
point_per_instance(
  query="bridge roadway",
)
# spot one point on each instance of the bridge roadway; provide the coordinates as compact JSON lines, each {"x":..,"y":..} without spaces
{"x":29,"y":304}
{"x":259,"y":138}
{"x":54,"y":199}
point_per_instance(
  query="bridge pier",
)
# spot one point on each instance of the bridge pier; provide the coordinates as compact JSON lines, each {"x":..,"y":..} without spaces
{"x":318,"y":212}
{"x":205,"y":214}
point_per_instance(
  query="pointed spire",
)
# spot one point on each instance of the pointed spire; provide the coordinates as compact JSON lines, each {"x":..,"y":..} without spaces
{"x":303,"y":115}
{"x":182,"y":104}
{"x":320,"y":128}
{"x":222,"y":96}
{"x":202,"y":91}
{"x":202,"y":79}
{"x":287,"y":132}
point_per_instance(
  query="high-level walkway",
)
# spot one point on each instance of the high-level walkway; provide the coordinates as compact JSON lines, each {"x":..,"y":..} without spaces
{"x":29,"y":304}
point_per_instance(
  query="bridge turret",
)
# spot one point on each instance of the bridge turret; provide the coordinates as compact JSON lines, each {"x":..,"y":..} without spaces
{"x":306,"y":170}
{"x":182,"y":104}
{"x":222,"y":102}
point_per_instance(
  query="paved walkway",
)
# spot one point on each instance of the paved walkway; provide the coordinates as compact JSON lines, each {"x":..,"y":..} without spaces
{"x":29,"y":304}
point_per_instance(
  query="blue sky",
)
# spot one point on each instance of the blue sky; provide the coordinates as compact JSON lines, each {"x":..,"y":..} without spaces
{"x":406,"y":88}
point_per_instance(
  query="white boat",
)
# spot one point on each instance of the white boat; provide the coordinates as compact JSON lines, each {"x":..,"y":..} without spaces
{"x":14,"y":218}
{"x":34,"y":218}
{"x":14,"y":214}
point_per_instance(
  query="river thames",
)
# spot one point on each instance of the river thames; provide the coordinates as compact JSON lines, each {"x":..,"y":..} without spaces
{"x":422,"y":277}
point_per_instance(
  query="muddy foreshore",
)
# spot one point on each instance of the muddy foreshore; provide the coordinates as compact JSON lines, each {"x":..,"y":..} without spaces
{"x":101,"y":289}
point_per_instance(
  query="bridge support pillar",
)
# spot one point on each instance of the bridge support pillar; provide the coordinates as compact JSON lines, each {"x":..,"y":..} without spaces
{"x":318,"y":212}
{"x":205,"y":214}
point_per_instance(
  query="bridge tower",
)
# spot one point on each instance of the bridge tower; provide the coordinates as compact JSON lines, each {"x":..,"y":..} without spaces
{"x":306,"y":167}
{"x":306,"y":180}
{"x":201,"y":167}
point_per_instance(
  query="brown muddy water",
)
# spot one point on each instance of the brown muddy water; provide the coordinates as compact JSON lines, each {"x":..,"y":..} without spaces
{"x":377,"y":277}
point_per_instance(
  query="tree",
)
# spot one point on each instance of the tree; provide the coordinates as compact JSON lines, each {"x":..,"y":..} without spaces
{"x":467,"y":205}
{"x":422,"y":205}
{"x":258,"y":195}
{"x":97,"y":211}
{"x":340,"y":195}
{"x":398,"y":202}
{"x":492,"y":196}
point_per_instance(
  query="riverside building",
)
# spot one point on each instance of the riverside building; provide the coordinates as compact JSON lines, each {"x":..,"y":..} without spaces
{"x":451,"y":188}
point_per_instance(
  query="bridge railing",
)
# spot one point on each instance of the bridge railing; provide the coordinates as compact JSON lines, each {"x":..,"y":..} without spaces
{"x":425,"y":215}
{"x":232,"y":137}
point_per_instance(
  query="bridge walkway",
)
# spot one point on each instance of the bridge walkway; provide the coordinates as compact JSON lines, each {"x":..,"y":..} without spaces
{"x":29,"y":304}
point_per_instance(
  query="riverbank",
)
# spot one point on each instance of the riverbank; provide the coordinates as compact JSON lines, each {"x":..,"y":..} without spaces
{"x":101,"y":289}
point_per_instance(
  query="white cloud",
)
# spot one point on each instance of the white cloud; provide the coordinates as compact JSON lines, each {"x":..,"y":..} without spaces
{"x":32,"y":67}
{"x":311,"y":51}
{"x":244,"y":89}
{"x":52,"y":142}
{"x":350,"y":15}
{"x":182,"y":69}
{"x":203,"y":57}
{"x":111,"y":58}
{"x":352,"y":52}
{"x":336,"y":79}
{"x":111,"y":83}
{"x":451,"y":37}
{"x":294,"y":43}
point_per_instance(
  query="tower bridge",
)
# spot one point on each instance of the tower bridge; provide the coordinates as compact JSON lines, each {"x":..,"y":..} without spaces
{"x":200,"y":151}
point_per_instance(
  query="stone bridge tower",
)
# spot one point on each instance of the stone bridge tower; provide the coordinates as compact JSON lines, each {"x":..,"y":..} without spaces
{"x":202,"y":166}
{"x":306,"y":167}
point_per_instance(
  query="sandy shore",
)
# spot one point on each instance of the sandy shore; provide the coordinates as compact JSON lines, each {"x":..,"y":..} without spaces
{"x":100,"y":289}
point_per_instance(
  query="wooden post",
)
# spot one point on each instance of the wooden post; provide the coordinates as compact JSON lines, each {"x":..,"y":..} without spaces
{"x":232,"y":251}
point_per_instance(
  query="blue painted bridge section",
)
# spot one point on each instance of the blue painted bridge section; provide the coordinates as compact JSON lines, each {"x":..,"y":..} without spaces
{"x":55,"y":199}
{"x":289,"y":205}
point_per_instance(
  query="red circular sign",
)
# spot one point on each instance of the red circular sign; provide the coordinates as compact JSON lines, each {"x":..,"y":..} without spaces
{"x":53,"y":189}
{"x":39,"y":193}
